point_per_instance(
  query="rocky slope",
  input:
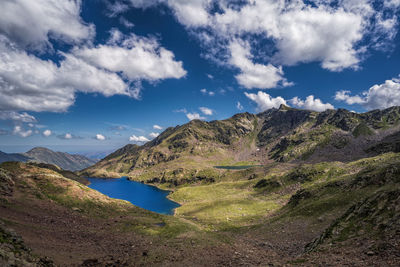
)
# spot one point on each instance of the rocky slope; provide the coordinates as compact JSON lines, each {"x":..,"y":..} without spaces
{"x":289,"y":135}
{"x":66,"y":161}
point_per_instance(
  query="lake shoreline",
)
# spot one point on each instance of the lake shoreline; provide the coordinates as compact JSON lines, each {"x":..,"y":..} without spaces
{"x":149,"y":197}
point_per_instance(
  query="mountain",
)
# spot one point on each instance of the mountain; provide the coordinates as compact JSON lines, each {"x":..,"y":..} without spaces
{"x":66,"y":161}
{"x":190,"y":152}
{"x":13,"y":157}
{"x":292,"y":187}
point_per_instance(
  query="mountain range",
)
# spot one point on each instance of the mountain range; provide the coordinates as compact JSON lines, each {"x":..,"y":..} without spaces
{"x":66,"y":161}
{"x":285,"y":187}
{"x":281,"y":135}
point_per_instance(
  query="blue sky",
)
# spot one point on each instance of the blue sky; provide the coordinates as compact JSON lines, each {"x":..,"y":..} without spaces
{"x":82,"y":76}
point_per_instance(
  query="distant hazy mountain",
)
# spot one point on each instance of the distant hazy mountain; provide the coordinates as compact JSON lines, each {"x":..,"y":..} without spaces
{"x":13,"y":157}
{"x":65,"y":161}
{"x":96,"y":155}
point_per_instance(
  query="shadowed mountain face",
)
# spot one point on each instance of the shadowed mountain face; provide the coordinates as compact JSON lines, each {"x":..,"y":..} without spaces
{"x":13,"y":157}
{"x":43,"y":155}
{"x":280,"y":135}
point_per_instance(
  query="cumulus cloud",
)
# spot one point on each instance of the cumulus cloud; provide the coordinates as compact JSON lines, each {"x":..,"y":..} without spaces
{"x":310,"y":103}
{"x":379,"y":96}
{"x":32,"y":23}
{"x":206,"y":111}
{"x":194,"y":116}
{"x":157,"y":127}
{"x":138,"y":58}
{"x":264,"y":101}
{"x":135,"y":138}
{"x":47,"y":133}
{"x":30,"y":83}
{"x":254,"y":75}
{"x":154,"y":135}
{"x":18,"y":130}
{"x":329,"y":32}
{"x":100,"y":137}
{"x":191,"y":13}
{"x":15,"y":116}
{"x":68,"y":136}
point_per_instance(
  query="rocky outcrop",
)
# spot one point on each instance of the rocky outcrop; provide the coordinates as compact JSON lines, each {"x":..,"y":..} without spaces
{"x":14,"y":253}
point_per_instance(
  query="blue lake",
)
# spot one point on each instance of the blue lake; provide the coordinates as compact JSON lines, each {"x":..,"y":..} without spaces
{"x":141,"y":195}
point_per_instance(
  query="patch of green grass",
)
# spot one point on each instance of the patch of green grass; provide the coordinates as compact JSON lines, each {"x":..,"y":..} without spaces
{"x":224,"y":205}
{"x":362,"y":129}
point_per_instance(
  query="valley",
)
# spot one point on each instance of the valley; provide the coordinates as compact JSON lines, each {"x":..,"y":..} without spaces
{"x":265,"y":189}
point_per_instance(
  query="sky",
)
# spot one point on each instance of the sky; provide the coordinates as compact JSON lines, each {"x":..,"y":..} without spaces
{"x":92,"y":76}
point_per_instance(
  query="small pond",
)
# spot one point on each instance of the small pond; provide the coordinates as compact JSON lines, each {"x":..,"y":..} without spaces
{"x":142,"y":195}
{"x":242,"y":167}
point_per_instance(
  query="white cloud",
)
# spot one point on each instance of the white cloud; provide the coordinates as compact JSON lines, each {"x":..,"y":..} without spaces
{"x":138,"y":58}
{"x":68,"y":136}
{"x":239,"y":106}
{"x":210,"y":76}
{"x":379,"y":96}
{"x":254,"y":75}
{"x":320,"y":34}
{"x":18,"y":130}
{"x":310,"y":103}
{"x":206,"y":92}
{"x":32,"y":23}
{"x":194,"y":116}
{"x":126,"y":22}
{"x":344,"y":95}
{"x":116,"y":8}
{"x":192,"y":13}
{"x":264,"y":101}
{"x":157,"y":127}
{"x":135,"y":138}
{"x":100,"y":137}
{"x":47,"y":133}
{"x":154,"y":135}
{"x":15,"y":116}
{"x":30,"y":83}
{"x":206,"y":111}
{"x":328,"y":32}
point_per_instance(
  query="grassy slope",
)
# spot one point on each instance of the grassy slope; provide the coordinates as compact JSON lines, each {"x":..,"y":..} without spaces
{"x":291,"y":205}
{"x":30,"y":191}
{"x":324,"y":189}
